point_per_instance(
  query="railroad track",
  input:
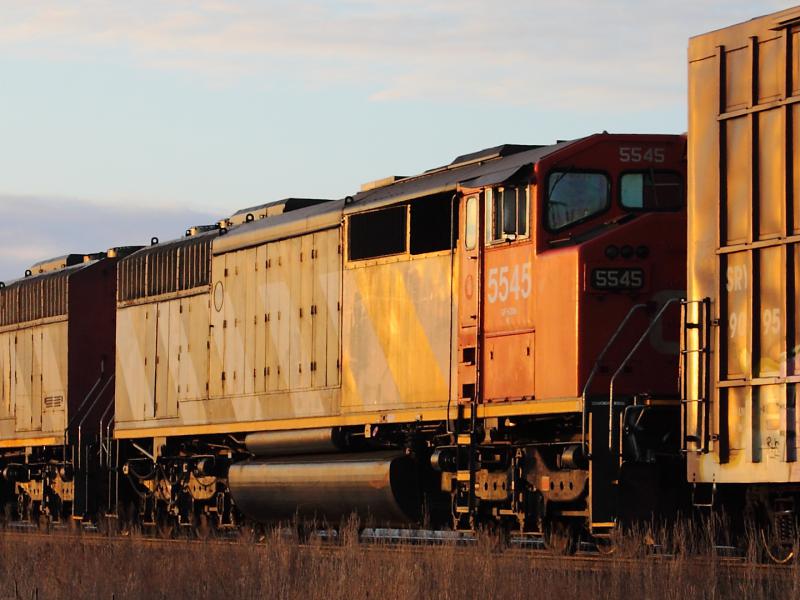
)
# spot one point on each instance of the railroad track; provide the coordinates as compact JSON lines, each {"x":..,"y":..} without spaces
{"x":418,"y":542}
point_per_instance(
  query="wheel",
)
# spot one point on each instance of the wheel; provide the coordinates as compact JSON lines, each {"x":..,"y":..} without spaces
{"x":776,"y":530}
{"x":561,"y":537}
{"x":107,"y":525}
{"x":204,"y":527}
{"x":8,"y":512}
{"x":606,"y":545}
{"x":165,"y":525}
{"x":778,"y":551}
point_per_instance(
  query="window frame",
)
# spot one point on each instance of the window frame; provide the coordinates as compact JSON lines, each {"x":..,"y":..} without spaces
{"x":498,"y":192}
{"x":473,"y":199}
{"x":634,"y":209}
{"x":406,"y":232}
{"x":546,"y":203}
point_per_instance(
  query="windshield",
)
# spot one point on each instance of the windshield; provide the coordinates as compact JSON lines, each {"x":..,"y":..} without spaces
{"x":651,"y":191}
{"x":574,"y":196}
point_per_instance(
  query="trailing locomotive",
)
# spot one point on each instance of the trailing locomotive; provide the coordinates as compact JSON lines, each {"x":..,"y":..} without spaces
{"x":56,"y":386}
{"x":443,"y":347}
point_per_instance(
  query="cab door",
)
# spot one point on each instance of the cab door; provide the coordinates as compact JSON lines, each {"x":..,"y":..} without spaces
{"x":469,"y":302}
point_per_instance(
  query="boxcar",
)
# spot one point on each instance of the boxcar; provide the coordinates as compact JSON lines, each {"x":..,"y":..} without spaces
{"x":741,"y":326}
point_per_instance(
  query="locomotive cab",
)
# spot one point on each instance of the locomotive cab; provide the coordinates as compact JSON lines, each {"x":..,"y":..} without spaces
{"x":570,"y":276}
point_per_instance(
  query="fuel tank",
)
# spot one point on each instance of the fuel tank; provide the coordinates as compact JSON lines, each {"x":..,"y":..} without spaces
{"x":377,"y":486}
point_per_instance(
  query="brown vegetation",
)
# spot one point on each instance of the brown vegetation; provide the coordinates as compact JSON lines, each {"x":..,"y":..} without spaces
{"x":278,"y":566}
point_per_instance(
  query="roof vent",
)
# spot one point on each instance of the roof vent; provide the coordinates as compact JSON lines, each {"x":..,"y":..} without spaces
{"x":56,"y":264}
{"x":121,"y":251}
{"x":192,"y":231}
{"x":379,"y":183}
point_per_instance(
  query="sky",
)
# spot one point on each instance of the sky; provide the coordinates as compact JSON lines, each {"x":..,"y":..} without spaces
{"x":120,"y":121}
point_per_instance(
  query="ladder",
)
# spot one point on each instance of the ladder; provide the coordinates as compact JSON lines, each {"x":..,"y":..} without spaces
{"x":695,"y":394}
{"x":467,"y":465}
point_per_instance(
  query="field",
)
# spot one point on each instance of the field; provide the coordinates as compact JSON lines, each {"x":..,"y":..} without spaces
{"x":277,"y":565}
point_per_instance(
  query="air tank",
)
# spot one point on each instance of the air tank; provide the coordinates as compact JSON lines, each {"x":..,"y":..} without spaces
{"x":321,"y":440}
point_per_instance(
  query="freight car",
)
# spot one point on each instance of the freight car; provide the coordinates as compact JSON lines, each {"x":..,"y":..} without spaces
{"x":494,"y":340}
{"x":56,"y":386}
{"x":740,"y":333}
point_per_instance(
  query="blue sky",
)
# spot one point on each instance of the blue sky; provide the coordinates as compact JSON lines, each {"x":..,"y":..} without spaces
{"x":123,"y":120}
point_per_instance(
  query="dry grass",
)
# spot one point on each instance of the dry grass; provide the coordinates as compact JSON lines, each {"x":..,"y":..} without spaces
{"x":277,"y":566}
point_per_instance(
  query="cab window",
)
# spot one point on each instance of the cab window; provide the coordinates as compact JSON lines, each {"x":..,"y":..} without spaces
{"x":508,"y":213}
{"x":651,"y":191}
{"x":574,"y":196}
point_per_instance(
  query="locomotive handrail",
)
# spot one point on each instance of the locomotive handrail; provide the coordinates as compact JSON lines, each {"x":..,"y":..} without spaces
{"x":102,"y":417}
{"x":596,"y":367}
{"x":86,"y":398}
{"x":80,"y":407}
{"x":624,"y":363}
{"x":88,"y":412}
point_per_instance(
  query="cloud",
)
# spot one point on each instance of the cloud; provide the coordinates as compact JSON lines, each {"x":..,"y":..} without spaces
{"x":518,"y":52}
{"x":34,"y":229}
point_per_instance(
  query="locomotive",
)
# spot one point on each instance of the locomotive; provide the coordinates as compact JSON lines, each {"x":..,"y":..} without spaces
{"x":491,"y":341}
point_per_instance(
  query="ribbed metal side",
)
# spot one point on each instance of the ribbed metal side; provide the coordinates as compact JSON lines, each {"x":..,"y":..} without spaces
{"x":166,"y":268}
{"x":38,"y":297}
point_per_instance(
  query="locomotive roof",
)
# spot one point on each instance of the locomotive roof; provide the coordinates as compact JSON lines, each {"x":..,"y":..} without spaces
{"x":281,"y":206}
{"x":303,"y":220}
{"x":486,"y":167}
{"x":66,"y":271}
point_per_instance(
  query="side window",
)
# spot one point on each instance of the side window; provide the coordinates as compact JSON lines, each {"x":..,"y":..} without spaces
{"x":432,"y":224}
{"x":651,"y":191}
{"x":573,"y":196}
{"x":508,"y":211}
{"x":377,"y":233}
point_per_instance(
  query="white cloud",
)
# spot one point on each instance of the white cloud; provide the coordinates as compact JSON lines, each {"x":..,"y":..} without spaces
{"x":529,"y":52}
